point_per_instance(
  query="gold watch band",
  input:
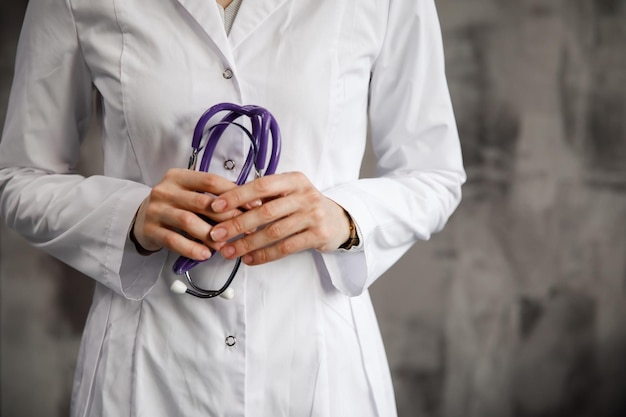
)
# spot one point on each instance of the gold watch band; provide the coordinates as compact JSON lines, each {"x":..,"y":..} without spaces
{"x":353,"y":239}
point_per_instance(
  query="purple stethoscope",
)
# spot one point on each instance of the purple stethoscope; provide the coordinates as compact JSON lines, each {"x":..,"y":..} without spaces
{"x":263,"y":129}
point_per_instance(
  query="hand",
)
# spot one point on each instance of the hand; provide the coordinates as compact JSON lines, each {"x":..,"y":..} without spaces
{"x":172,"y":207}
{"x":294,"y":217}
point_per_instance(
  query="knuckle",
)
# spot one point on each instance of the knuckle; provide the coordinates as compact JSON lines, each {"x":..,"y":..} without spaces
{"x":324,"y":233}
{"x":169,"y":173}
{"x":274,"y":231}
{"x":260,"y":256}
{"x":267,"y":211}
{"x":314,"y":196}
{"x":231,"y":214}
{"x":244,"y":245}
{"x":317,"y":215}
{"x":148,"y":231}
{"x":299,"y":180}
{"x":262,"y":185}
{"x":209,"y":181}
{"x":237,"y":225}
{"x":298,"y":176}
{"x":201,"y":201}
{"x":172,"y":174}
{"x":150,"y":212}
{"x":286,"y":247}
{"x":158,"y":192}
{"x":169,"y":240}
{"x":235,"y":197}
{"x":196,"y":252}
{"x":186,"y":219}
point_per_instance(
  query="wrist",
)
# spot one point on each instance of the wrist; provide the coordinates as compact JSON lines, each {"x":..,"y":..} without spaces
{"x":133,"y":238}
{"x":353,"y":237}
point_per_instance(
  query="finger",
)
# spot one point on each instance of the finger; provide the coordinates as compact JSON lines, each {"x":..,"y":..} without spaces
{"x":272,"y":234}
{"x":245,"y":223}
{"x":293,"y":244}
{"x":253,"y":205}
{"x":193,"y":226}
{"x":180,"y":244}
{"x":259,"y":189}
{"x":195,"y":191}
{"x":192,"y":201}
{"x":172,"y":192}
{"x":199,"y":181}
{"x":184,"y":221}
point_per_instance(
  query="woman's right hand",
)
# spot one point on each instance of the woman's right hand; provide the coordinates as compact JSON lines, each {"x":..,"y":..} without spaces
{"x":168,"y":217}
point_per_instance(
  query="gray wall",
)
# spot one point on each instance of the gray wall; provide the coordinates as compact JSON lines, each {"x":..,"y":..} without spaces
{"x":518,"y":307}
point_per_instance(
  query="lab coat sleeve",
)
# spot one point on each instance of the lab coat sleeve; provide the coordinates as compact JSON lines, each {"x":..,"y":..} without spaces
{"x":419,"y":169}
{"x":82,"y":221}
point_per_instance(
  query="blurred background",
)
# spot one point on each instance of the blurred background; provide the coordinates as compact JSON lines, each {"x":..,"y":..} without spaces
{"x":518,"y":308}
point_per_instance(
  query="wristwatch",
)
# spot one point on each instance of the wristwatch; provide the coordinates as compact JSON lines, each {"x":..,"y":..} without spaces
{"x":353,"y":239}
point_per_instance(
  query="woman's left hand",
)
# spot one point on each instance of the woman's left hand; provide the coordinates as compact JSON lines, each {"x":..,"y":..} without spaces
{"x":294,"y":217}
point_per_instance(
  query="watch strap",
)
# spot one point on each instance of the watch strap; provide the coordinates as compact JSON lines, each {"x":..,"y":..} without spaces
{"x":353,"y":240}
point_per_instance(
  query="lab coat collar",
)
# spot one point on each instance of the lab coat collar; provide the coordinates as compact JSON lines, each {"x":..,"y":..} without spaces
{"x":207,"y":16}
{"x":251,"y":15}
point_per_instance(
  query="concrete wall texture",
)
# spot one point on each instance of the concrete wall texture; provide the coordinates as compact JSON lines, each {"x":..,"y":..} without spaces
{"x":518,"y":308}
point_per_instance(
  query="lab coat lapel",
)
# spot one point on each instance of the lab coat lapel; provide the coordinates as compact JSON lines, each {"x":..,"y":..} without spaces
{"x":251,"y":14}
{"x":205,"y":13}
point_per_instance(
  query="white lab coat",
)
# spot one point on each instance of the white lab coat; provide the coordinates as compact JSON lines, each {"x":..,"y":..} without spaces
{"x":307,"y":342}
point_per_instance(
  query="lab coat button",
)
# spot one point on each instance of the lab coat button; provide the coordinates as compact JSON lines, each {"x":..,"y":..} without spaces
{"x":229,"y":164}
{"x":230,"y":341}
{"x":228,"y":73}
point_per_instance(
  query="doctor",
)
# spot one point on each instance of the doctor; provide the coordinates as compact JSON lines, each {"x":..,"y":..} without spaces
{"x":300,"y":337}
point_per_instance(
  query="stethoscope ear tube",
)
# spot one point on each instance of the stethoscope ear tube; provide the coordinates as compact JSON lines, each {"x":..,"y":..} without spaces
{"x":263,"y":126}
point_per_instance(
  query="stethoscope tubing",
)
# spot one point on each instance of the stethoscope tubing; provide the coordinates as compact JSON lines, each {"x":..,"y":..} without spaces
{"x":263,"y":128}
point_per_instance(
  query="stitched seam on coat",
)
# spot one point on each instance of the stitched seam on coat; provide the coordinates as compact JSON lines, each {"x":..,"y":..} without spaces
{"x":92,"y":381}
{"x":135,"y":377}
{"x":123,"y":96}
{"x":366,"y":369}
{"x":82,"y":53}
{"x":92,"y":377}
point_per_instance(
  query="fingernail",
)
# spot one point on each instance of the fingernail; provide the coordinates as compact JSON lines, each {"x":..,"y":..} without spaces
{"x":205,"y":254}
{"x":247,"y":259}
{"x":217,"y":233}
{"x":228,"y":251}
{"x":256,"y":203}
{"x":218,"y":205}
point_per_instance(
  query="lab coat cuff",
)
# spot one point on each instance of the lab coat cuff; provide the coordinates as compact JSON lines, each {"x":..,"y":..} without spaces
{"x":357,"y":209}
{"x":137,"y":273}
{"x":348,"y":270}
{"x":359,"y":235}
